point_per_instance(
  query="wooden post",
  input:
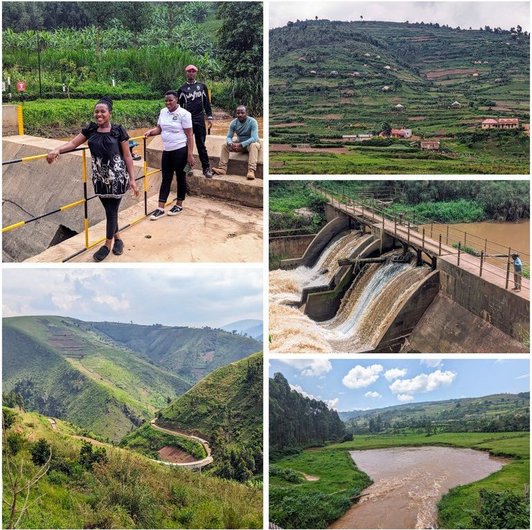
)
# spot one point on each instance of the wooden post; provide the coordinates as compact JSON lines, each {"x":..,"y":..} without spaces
{"x":423,"y":240}
{"x":486,"y":246}
{"x":408,"y":233}
{"x":459,"y":251}
{"x":382,"y":235}
{"x":508,"y":268}
{"x":481,"y":262}
{"x":447,"y":239}
{"x":431,"y":230}
{"x":395,"y":225}
{"x":439,"y":246}
{"x":465,"y":239}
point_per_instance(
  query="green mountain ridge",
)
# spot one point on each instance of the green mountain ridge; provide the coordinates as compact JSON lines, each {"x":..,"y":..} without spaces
{"x":70,"y":369}
{"x":191,"y":352}
{"x":226,"y":404}
{"x":495,"y":412}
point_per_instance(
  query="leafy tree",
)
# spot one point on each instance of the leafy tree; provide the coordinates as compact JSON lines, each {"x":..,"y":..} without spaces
{"x":240,"y":38}
{"x":88,"y":457}
{"x":40,"y":452}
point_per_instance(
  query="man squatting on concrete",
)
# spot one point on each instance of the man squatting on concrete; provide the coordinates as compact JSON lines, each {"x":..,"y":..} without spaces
{"x":246,"y":129}
{"x":194,"y":97}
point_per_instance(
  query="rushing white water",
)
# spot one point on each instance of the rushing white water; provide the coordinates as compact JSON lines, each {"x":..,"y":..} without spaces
{"x":286,"y":286}
{"x":366,"y":310}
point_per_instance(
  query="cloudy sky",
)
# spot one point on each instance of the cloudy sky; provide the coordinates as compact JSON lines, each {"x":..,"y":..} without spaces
{"x":464,"y":14}
{"x":193,"y":296}
{"x":364,"y":384}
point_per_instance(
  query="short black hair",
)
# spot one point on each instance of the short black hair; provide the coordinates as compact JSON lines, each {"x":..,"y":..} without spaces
{"x":171,"y":93}
{"x":106,"y":100}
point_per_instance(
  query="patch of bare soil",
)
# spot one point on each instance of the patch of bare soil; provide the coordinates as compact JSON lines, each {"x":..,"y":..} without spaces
{"x":290,"y":124}
{"x":435,"y":74}
{"x":175,"y":455}
{"x":417,"y":118}
{"x":333,"y":116}
{"x":289,"y":148}
{"x":311,"y":478}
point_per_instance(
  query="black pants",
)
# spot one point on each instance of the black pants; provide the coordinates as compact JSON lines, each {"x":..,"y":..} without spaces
{"x":200,"y":133}
{"x":173,"y":162}
{"x":111,"y":213}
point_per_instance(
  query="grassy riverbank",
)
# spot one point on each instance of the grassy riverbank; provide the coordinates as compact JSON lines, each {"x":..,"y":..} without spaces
{"x":293,"y":504}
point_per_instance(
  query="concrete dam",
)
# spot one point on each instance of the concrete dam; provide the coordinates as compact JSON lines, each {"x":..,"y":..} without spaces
{"x":356,"y":289}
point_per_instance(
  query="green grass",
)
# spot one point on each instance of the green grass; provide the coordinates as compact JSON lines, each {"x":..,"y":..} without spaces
{"x":316,"y":504}
{"x":128,"y":491}
{"x":369,"y":163}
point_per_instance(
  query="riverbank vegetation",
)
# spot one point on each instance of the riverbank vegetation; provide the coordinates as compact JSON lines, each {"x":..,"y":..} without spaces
{"x":106,"y":487}
{"x":294,"y":205}
{"x":442,"y":201}
{"x":129,"y":51}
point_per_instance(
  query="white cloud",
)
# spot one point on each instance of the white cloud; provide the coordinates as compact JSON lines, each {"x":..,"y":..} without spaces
{"x":360,"y":376}
{"x":113,"y":302}
{"x":423,"y":382}
{"x":309,"y":367}
{"x":331,"y":403}
{"x":374,"y":395}
{"x":394,"y":373}
{"x":405,"y":397}
{"x":524,"y":376}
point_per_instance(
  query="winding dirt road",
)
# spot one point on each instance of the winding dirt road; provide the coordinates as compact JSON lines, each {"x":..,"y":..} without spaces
{"x":196,"y":464}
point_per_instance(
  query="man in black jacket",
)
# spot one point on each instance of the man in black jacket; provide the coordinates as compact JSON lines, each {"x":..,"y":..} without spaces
{"x":194,"y":97}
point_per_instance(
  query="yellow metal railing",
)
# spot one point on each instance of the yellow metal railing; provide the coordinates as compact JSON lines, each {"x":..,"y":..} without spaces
{"x":84,"y":201}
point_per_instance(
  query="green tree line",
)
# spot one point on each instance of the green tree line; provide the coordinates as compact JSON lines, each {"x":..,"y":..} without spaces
{"x":297,"y":421}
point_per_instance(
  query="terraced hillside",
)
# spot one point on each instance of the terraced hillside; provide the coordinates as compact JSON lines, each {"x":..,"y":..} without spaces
{"x":331,"y":78}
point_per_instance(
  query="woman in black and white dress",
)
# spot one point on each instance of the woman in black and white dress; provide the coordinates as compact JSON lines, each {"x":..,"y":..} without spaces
{"x":112,"y":169}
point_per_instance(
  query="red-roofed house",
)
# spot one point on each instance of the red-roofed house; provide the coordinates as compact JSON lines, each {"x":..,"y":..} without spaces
{"x":501,"y":123}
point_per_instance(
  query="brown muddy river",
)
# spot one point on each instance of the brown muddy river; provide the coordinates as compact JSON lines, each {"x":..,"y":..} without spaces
{"x":500,"y":236}
{"x":408,"y":482}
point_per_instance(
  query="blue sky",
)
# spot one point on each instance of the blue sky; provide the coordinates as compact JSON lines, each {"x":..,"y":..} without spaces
{"x":464,"y":14}
{"x":191,"y":296}
{"x":367,"y":384}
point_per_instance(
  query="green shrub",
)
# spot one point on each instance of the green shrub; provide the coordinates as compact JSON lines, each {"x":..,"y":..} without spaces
{"x":40,"y":452}
{"x":502,"y":510}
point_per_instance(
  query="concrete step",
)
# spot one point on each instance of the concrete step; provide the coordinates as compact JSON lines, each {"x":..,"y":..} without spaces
{"x":231,"y":188}
{"x":238,"y":162}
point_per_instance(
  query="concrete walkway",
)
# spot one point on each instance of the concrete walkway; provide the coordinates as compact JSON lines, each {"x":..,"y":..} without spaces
{"x":207,"y":230}
{"x":490,"y":273}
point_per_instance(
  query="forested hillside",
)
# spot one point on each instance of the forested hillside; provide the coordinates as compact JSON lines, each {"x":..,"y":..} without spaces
{"x":494,"y":413}
{"x":297,"y":421}
{"x":190,"y":352}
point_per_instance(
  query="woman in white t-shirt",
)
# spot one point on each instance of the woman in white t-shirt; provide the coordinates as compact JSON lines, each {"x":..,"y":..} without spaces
{"x":175,"y":127}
